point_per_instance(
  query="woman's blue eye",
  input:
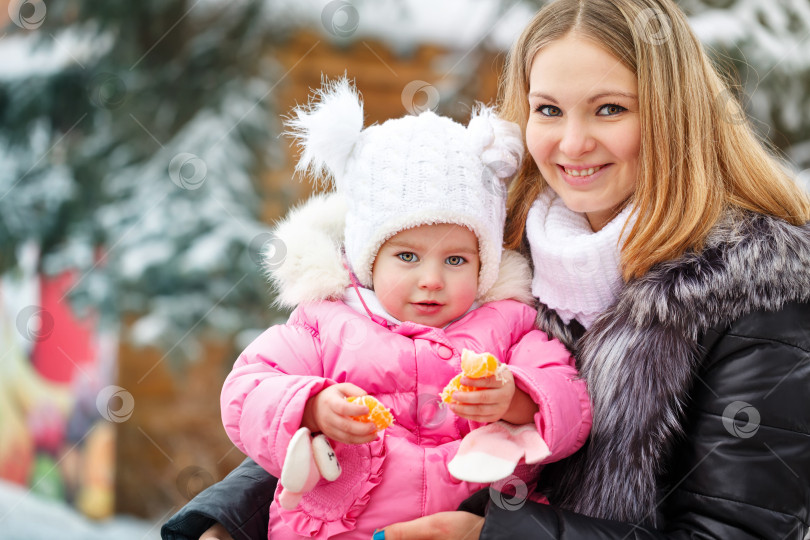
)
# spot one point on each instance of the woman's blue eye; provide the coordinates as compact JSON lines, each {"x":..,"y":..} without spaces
{"x":549,"y":110}
{"x":455,"y":260}
{"x":611,"y":109}
{"x":407,"y":256}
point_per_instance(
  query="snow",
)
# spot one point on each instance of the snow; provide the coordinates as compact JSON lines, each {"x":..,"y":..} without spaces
{"x":404,"y":24}
{"x":26,"y":516}
{"x":716,"y":27}
{"x":773,"y":36}
{"x":34,"y":54}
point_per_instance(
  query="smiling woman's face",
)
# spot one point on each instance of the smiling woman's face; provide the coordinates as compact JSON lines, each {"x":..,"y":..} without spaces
{"x":583,"y":129}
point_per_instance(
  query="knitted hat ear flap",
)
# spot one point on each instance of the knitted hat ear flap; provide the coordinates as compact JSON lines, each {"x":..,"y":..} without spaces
{"x":327,"y":130}
{"x":500,"y":143}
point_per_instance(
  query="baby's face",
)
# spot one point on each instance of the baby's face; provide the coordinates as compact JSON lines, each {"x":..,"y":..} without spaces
{"x":428,"y":274}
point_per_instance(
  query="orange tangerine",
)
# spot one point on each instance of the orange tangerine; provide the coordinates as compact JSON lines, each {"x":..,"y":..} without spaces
{"x":377,"y":413}
{"x":452,"y":386}
{"x":478,"y":366}
{"x":474,"y":366}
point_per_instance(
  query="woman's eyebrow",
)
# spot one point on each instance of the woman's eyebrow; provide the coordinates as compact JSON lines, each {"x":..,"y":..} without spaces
{"x":612,"y":93}
{"x":595,"y":97}
{"x":543,"y":96}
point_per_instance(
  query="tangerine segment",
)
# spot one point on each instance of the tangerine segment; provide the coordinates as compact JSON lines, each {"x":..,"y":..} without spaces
{"x":377,"y":413}
{"x":475,"y":366}
{"x":454,"y":385}
{"x":478,"y":366}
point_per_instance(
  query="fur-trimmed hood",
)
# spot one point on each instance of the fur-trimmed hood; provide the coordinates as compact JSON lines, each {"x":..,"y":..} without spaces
{"x":305,"y":263}
{"x":641,"y":356}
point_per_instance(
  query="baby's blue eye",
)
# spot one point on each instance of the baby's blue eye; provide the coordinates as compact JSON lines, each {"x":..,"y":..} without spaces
{"x":407,"y":256}
{"x":455,"y":260}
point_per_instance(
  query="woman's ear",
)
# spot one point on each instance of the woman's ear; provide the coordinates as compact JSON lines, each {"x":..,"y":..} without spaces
{"x":327,"y":130}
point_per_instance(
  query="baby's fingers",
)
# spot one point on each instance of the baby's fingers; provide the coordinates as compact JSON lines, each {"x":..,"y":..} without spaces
{"x":478,"y":397}
{"x":468,"y":411}
{"x":341,"y":407}
{"x":350,"y":431}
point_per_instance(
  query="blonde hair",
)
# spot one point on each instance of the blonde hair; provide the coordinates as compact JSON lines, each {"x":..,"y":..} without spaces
{"x":698,"y":156}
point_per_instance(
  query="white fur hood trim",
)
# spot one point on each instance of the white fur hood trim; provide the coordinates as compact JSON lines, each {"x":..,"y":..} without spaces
{"x":312,"y":267}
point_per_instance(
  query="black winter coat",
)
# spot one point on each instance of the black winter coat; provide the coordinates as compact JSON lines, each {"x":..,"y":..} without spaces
{"x":700,"y":380}
{"x":742,"y":468}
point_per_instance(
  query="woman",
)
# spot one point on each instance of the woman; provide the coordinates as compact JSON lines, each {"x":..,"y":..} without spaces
{"x":694,"y":337}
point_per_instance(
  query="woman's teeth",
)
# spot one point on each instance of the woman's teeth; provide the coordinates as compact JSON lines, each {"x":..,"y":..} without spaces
{"x":582,"y":172}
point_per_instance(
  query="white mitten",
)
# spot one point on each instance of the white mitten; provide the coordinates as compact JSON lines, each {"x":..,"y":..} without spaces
{"x":491,"y":453}
{"x":307,"y":461}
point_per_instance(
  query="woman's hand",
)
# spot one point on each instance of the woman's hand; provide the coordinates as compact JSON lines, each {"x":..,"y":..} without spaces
{"x":216,"y":532}
{"x":330,"y":413}
{"x":444,"y":525}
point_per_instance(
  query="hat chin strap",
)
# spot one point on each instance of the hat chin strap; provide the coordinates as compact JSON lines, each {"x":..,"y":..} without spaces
{"x":355,"y":285}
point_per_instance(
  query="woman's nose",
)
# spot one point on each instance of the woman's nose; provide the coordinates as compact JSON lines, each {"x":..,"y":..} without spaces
{"x":576,"y":139}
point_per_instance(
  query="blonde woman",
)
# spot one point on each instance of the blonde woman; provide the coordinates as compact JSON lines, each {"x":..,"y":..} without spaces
{"x":671,"y":254}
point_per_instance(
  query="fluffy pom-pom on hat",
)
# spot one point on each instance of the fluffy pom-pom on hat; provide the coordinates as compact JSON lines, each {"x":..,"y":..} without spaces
{"x":327,"y":130}
{"x":499,"y":142}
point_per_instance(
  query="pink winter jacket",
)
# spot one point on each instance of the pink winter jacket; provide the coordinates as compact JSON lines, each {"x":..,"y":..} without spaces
{"x":403,"y":474}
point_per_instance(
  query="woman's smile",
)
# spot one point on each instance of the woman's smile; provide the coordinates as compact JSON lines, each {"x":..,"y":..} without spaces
{"x":581,"y":175}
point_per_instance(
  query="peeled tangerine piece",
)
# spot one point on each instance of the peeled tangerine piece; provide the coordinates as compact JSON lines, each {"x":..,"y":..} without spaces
{"x":377,"y":413}
{"x":475,"y":366}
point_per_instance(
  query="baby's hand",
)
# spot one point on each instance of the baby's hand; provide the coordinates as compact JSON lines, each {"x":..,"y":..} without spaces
{"x":329,"y":412}
{"x":489,"y":404}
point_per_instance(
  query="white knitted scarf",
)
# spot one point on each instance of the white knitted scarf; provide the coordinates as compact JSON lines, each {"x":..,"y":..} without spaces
{"x":576,"y":270}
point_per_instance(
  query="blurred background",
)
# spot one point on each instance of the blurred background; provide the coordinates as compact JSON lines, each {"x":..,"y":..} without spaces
{"x":141,"y":167}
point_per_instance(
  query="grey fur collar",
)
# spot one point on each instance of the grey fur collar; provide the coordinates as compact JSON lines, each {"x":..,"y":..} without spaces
{"x":640,"y":357}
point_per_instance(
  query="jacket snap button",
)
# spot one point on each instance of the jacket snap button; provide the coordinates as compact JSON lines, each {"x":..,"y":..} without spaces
{"x":445,"y":352}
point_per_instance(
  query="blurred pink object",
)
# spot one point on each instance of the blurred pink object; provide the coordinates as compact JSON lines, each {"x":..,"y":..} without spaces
{"x":63,"y":342}
{"x":47,"y":425}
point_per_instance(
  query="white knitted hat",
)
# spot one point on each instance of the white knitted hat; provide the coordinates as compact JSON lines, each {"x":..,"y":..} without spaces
{"x":411,"y":171}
